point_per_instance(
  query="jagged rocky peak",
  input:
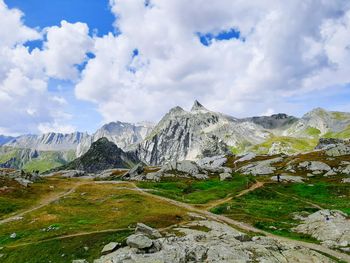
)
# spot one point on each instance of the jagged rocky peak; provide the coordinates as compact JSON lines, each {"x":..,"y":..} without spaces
{"x":197,"y":106}
{"x":48,"y":141}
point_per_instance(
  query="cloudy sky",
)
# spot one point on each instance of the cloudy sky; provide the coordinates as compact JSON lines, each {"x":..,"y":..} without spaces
{"x":69,"y":65}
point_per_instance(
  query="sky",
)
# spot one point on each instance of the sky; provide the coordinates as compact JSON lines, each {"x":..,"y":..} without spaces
{"x":68,"y":65}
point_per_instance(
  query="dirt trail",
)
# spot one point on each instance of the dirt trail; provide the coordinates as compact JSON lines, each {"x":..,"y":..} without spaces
{"x":244,"y":226}
{"x":69,"y":236}
{"x":42,"y":204}
{"x":229,"y":221}
{"x":299,"y":199}
{"x":215,"y":203}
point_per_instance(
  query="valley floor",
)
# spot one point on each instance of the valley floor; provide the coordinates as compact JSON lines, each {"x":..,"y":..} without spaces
{"x":74,"y":218}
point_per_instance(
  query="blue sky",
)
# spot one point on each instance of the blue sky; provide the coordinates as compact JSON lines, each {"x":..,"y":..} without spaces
{"x":134,"y":60}
{"x":41,"y":14}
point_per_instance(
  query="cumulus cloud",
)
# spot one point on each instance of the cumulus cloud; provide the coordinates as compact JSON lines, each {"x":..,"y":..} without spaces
{"x":284,"y":49}
{"x":26,"y":103}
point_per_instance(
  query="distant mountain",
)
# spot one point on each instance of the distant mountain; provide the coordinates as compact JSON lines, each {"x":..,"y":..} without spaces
{"x":320,"y":122}
{"x":200,"y":132}
{"x":102,"y":155}
{"x":4,"y":139}
{"x":30,"y":159}
{"x":275,"y":121}
{"x":182,"y":134}
{"x":123,"y":134}
{"x":49,"y":141}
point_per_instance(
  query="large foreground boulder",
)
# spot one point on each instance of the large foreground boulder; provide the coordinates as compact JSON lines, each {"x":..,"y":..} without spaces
{"x":210,"y":241}
{"x":331,"y":227}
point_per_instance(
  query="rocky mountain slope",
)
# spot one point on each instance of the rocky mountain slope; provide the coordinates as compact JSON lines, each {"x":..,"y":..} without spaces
{"x":5,"y":139}
{"x":123,"y":134}
{"x":30,"y":159}
{"x":102,"y":155}
{"x":48,"y":142}
{"x":199,"y":132}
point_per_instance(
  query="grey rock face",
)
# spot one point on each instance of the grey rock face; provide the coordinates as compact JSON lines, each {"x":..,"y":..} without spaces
{"x":134,"y":171}
{"x":247,"y":157}
{"x":325,"y":143}
{"x":346,"y":180}
{"x":331,"y":227}
{"x":288,"y":178}
{"x":139,"y":241}
{"x":49,"y":141}
{"x":73,"y":173}
{"x":225,"y":176}
{"x":315,"y":166}
{"x":146,"y":230}
{"x":110,"y":247}
{"x":260,"y":167}
{"x":338,"y":150}
{"x":183,"y":135}
{"x":274,"y":121}
{"x":123,"y":134}
{"x":220,"y":243}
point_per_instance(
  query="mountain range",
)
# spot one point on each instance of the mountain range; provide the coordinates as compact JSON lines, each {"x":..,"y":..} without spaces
{"x":180,"y":135}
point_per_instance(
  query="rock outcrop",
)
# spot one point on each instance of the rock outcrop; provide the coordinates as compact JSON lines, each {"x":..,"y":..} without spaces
{"x":123,"y":134}
{"x":190,"y":135}
{"x":219,"y":243}
{"x":260,"y":167}
{"x":102,"y":155}
{"x":331,"y":227}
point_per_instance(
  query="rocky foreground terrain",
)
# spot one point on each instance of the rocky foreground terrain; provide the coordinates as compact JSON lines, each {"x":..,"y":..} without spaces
{"x":205,"y":241}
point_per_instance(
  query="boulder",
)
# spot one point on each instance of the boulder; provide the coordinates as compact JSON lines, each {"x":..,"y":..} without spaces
{"x":346,"y":180}
{"x":330,"y":173}
{"x":135,"y":171}
{"x":338,"y":150}
{"x":110,"y":247}
{"x":146,"y":230}
{"x":139,"y":241}
{"x":212,"y":162}
{"x":260,"y":167}
{"x":210,"y":241}
{"x":247,"y":157}
{"x":23,"y":182}
{"x":80,"y":261}
{"x":225,"y":176}
{"x":331,"y":227}
{"x":288,"y":178}
{"x":315,"y":166}
{"x":73,"y":173}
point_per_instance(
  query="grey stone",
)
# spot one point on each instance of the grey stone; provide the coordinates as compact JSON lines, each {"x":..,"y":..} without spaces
{"x":331,"y":227}
{"x":219,"y":243}
{"x":110,"y":247}
{"x":288,"y":178}
{"x":80,"y":261}
{"x":146,"y":230}
{"x":225,"y":176}
{"x":139,"y":241}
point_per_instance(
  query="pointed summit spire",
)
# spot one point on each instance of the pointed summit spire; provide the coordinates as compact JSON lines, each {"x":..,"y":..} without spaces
{"x":197,"y":106}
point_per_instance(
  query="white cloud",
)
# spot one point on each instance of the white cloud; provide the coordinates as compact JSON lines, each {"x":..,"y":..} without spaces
{"x":26,"y":103}
{"x":66,"y":47}
{"x":286,"y":48}
{"x":12,"y":29}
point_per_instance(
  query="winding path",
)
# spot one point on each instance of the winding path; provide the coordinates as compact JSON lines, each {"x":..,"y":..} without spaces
{"x":229,"y":221}
{"x":42,"y":204}
{"x":244,"y":226}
